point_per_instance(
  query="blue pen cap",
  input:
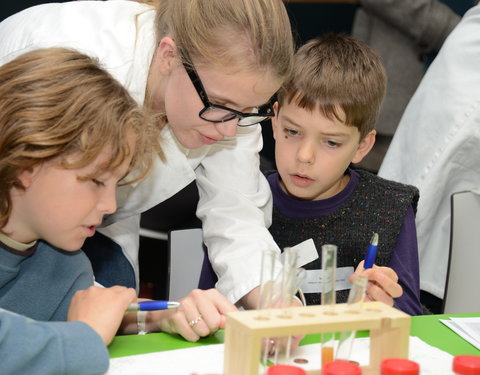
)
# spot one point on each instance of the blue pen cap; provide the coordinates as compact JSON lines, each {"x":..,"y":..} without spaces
{"x":371,"y":252}
{"x":370,"y":257}
{"x":153,"y":305}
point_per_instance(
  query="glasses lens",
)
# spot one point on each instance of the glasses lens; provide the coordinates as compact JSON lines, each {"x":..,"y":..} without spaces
{"x":251,"y":120}
{"x":215,"y":114}
{"x":218,"y":114}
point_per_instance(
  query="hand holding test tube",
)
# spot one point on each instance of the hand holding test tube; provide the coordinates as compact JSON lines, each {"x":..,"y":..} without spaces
{"x":355,"y":302}
{"x":384,"y":284}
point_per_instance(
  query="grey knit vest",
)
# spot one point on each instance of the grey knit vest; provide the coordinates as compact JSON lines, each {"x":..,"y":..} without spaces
{"x":376,"y":205}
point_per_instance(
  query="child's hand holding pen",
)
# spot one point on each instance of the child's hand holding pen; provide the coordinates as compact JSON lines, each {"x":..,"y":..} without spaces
{"x":382,"y":281}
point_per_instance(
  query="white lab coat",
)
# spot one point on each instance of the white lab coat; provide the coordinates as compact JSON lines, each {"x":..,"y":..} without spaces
{"x":437,"y":144}
{"x":235,"y":200}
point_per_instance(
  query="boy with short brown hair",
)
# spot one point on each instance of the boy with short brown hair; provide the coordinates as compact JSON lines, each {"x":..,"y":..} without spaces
{"x":325,"y":117}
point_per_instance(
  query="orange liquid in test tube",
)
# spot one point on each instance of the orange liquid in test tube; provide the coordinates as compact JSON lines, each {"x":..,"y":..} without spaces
{"x":329,"y":266}
{"x":327,"y":354}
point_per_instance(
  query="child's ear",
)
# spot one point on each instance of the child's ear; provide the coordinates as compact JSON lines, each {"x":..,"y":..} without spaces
{"x":165,"y":56}
{"x":365,"y":146}
{"x":274,"y":120}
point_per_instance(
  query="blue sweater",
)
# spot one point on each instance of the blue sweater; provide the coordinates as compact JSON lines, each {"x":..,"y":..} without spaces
{"x":47,"y":348}
{"x":39,"y":284}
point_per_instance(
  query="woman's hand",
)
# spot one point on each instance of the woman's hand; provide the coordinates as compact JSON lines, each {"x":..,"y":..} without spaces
{"x":382,"y":283}
{"x":201,"y":314}
{"x":101,"y":308}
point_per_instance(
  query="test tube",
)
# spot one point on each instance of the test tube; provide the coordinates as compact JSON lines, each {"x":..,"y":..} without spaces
{"x":355,"y":303}
{"x":289,"y":280}
{"x":329,"y":266}
{"x":288,"y":290}
{"x":267,"y":278}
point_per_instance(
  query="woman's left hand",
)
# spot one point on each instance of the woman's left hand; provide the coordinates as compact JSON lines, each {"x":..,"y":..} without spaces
{"x":201,"y":314}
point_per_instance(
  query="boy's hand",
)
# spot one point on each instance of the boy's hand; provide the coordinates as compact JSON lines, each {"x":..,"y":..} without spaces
{"x":201,"y":314}
{"x":101,"y":308}
{"x":382,"y":283}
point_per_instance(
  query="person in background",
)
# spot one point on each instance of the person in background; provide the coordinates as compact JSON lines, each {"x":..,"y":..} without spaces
{"x":211,"y":68}
{"x":406,"y":34}
{"x":70,"y":135}
{"x":324,"y":120}
{"x":436,"y":147}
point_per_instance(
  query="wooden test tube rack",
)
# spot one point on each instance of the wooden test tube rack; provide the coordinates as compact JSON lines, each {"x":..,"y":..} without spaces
{"x":389,"y":332}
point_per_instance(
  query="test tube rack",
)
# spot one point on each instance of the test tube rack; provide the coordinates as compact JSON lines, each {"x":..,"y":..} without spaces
{"x":389,"y":332}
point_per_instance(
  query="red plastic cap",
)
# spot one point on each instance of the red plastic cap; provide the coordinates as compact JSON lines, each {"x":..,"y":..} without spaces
{"x":285,"y":370}
{"x":340,"y":367}
{"x":466,"y":365}
{"x":399,"y":366}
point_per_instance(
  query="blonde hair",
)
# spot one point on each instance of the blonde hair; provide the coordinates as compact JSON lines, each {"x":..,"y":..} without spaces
{"x":256,"y":33}
{"x":57,"y":102}
{"x":335,"y":72}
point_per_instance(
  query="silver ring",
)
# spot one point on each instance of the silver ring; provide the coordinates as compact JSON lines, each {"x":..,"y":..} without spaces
{"x":193,"y":322}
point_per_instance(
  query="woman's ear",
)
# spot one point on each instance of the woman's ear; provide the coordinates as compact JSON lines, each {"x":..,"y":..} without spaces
{"x":26,"y":177}
{"x":166,"y":55}
{"x":274,"y":120}
{"x":365,"y":146}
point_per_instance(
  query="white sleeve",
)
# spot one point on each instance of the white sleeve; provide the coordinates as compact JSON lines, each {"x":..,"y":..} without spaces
{"x":436,"y":146}
{"x":235,"y":207}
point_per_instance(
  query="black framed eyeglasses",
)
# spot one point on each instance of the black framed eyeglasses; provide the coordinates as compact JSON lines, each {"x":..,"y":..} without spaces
{"x":219,"y":113}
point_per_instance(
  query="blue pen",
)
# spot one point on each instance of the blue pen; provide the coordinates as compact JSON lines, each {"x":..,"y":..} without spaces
{"x":371,"y":252}
{"x":153,"y":305}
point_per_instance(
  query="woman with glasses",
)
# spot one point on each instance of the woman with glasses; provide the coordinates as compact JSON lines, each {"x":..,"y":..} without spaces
{"x":211,"y":68}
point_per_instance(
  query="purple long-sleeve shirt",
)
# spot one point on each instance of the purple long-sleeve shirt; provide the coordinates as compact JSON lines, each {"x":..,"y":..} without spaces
{"x":404,"y":259}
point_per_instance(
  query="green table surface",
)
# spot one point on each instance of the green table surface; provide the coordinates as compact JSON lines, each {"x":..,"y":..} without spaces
{"x":426,"y":327}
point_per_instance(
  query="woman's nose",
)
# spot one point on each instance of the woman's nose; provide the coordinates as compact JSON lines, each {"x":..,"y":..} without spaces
{"x":228,"y":128}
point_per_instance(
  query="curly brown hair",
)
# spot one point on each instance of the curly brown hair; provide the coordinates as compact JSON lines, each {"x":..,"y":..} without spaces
{"x":57,"y":102}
